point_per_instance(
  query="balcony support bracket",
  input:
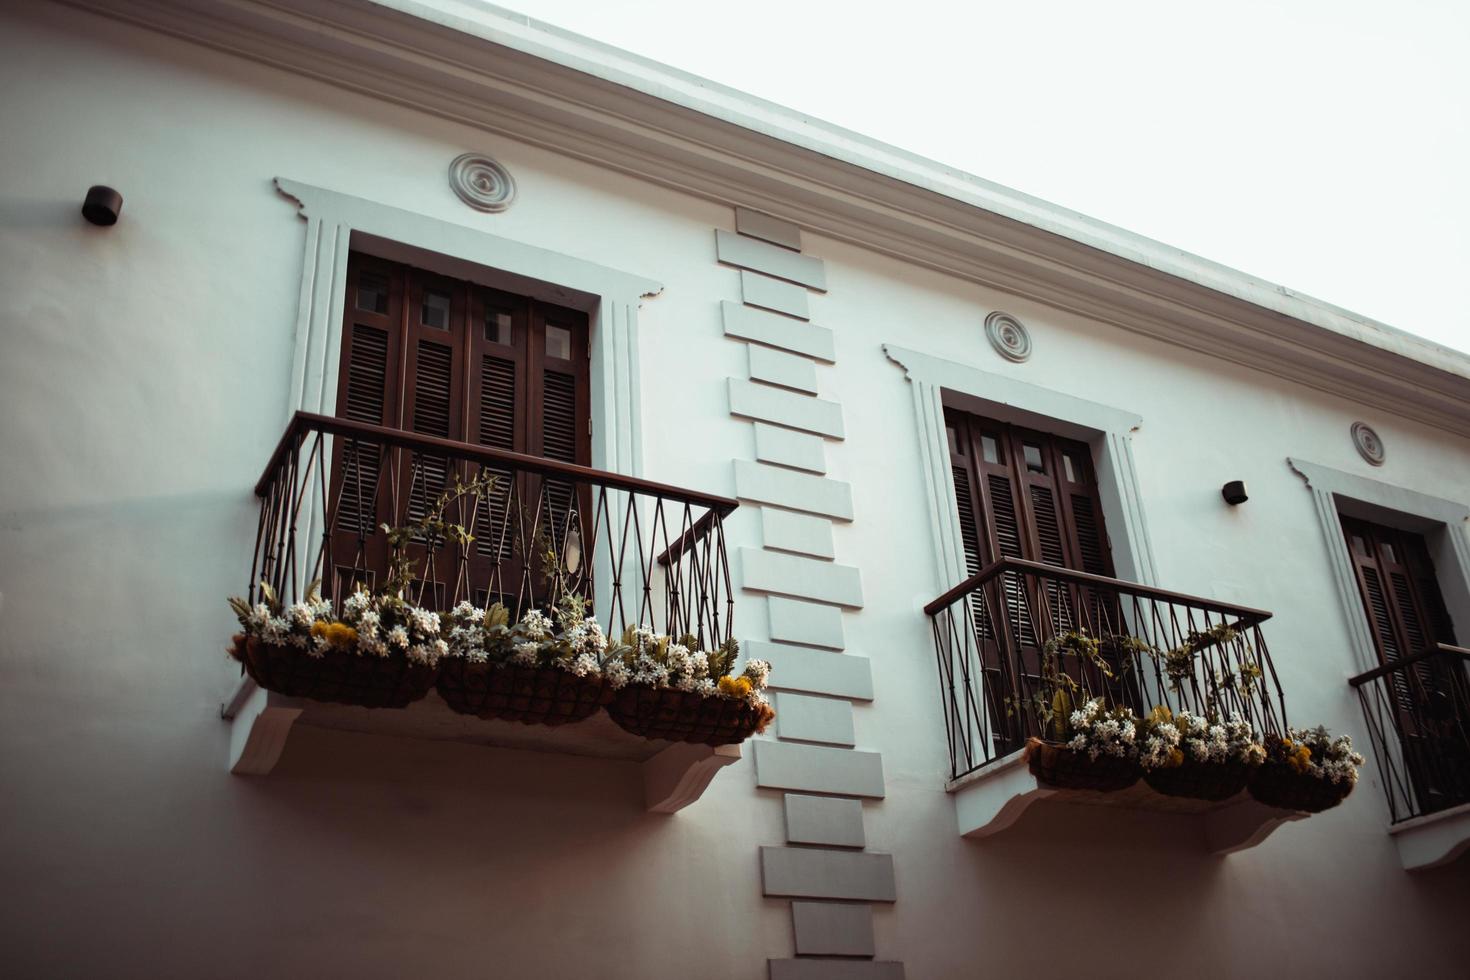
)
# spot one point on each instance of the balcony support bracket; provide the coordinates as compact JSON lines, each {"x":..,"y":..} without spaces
{"x":679,"y":775}
{"x":260,"y":721}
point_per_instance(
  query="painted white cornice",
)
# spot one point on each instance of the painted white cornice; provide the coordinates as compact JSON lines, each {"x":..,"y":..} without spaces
{"x":505,"y":73}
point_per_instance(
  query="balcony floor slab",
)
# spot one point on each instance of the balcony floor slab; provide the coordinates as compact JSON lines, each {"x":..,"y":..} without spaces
{"x":992,"y":800}
{"x":1433,"y":840}
{"x":675,"y":774}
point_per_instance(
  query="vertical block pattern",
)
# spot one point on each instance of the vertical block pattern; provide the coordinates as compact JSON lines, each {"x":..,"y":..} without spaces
{"x":805,"y":594}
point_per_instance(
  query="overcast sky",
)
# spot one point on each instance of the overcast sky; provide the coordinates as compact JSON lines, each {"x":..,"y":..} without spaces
{"x":1320,"y":144}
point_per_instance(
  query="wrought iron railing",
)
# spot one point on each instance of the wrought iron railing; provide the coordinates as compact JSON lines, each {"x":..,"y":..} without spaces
{"x":1153,"y":647}
{"x":1418,"y":714}
{"x":643,"y":553}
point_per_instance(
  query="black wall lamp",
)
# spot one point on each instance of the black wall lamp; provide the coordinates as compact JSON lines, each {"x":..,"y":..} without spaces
{"x":1234,"y":492}
{"x":102,"y":206}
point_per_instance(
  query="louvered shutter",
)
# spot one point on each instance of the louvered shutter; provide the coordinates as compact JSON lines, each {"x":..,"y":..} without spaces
{"x":367,"y":391}
{"x":462,"y":362}
{"x":499,"y":331}
{"x":1406,"y":615}
{"x":560,"y":407}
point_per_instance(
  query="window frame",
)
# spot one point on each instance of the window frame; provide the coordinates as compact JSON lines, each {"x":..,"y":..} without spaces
{"x":1106,"y":430}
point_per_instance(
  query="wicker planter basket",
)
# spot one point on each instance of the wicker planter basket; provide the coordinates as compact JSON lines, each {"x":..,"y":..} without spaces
{"x":1277,"y":784}
{"x":530,"y":695}
{"x":683,"y":716}
{"x":1057,"y":765}
{"x":345,"y":677}
{"x":1212,"y":781}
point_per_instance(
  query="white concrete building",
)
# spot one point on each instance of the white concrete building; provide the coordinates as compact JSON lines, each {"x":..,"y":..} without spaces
{"x":884,"y":377}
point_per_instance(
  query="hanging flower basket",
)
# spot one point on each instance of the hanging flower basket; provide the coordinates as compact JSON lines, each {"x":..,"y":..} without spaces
{"x":1213,"y":781}
{"x":527,"y":694}
{"x":341,"y":676}
{"x":1059,"y":766}
{"x":1277,"y":784}
{"x":685,"y":716}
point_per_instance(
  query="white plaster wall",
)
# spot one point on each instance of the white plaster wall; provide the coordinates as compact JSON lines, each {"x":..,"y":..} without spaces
{"x":143,"y":375}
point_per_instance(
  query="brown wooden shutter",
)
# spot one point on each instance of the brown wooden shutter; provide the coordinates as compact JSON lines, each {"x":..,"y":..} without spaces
{"x":463,"y":362}
{"x":1406,"y":615}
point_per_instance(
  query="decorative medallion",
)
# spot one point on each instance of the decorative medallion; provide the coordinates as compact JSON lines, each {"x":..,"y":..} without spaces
{"x":481,"y":183}
{"x":1369,"y":446}
{"x":1008,"y":337}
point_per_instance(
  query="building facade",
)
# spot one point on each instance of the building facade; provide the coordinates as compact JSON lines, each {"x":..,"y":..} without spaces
{"x":842,"y":403}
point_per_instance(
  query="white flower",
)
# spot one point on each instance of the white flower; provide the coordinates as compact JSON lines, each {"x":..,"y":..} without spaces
{"x":299,"y":615}
{"x":424,"y":623}
{"x":592,"y":639}
{"x":536,"y":624}
{"x":582,"y":665}
{"x":368,"y":622}
{"x":468,"y":612}
{"x":757,"y":672}
{"x":276,"y":630}
{"x":356,"y":603}
{"x":615,"y":672}
{"x":260,"y":616}
{"x":525,"y":654}
{"x":398,"y":637}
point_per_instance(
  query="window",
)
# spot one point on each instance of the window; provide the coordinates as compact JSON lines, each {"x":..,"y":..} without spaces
{"x":1025,"y":494}
{"x":1029,"y":495}
{"x":459,"y":361}
{"x":1406,"y":616}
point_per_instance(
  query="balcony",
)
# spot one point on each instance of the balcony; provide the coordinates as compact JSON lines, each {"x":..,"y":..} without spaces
{"x":640,"y":554}
{"x":990,"y":634}
{"x":1418,"y":714}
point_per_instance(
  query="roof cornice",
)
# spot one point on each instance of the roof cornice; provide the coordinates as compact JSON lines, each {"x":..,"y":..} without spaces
{"x":505,"y":73}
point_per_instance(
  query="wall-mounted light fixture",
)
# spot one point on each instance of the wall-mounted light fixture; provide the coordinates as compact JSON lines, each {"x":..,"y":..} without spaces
{"x":102,"y":206}
{"x":1234,"y":492}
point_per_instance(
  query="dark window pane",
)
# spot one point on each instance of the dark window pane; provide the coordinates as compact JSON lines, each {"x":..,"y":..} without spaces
{"x":1033,"y":459}
{"x":1360,"y":547}
{"x":372,"y":292}
{"x":558,"y":342}
{"x":1388,"y":554}
{"x":498,"y":327}
{"x":1069,"y":467}
{"x":955,"y":446}
{"x":436,"y":310}
{"x":990,"y":448}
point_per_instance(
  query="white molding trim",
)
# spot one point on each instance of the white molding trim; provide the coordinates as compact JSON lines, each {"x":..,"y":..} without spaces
{"x":337,"y":223}
{"x":1392,"y":504}
{"x":505,"y":73}
{"x":1107,"y":429}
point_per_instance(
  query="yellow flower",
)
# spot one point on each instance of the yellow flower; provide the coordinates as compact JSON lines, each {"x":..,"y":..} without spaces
{"x":1176,"y":758}
{"x":341,"y":635}
{"x":742,"y":687}
{"x":319,"y":628}
{"x":1300,"y":758}
{"x":728,"y":686}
